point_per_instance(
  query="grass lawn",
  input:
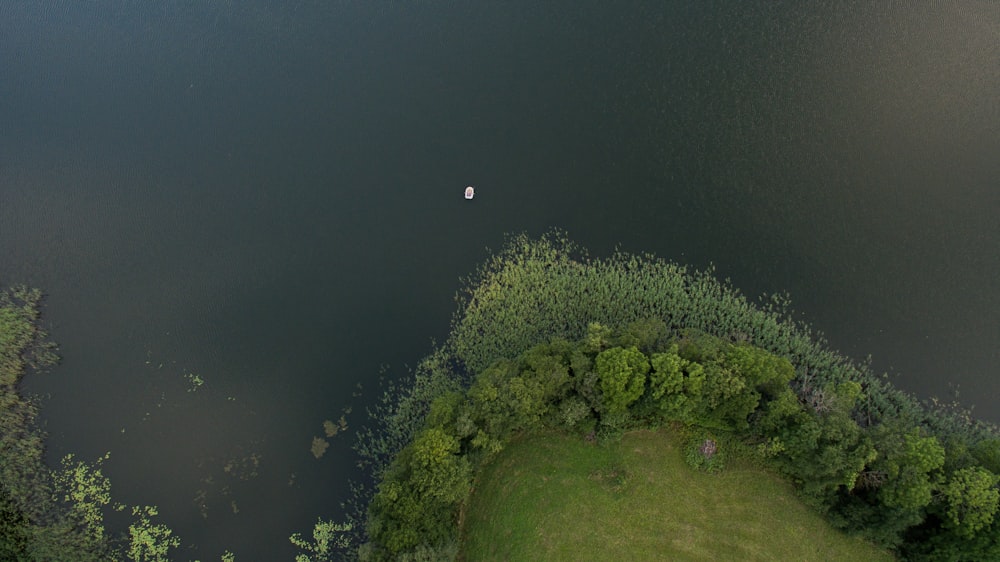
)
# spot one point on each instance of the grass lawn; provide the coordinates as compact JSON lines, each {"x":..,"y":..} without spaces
{"x":551,"y":496}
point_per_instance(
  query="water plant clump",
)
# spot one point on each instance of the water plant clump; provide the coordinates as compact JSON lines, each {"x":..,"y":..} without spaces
{"x":319,"y":447}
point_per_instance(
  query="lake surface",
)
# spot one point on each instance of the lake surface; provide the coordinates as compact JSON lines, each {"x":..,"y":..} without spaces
{"x":267,"y":196}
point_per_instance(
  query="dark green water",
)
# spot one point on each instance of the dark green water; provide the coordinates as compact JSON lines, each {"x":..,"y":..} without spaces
{"x":269,"y":195}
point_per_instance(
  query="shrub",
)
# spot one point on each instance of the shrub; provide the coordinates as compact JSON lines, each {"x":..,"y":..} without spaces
{"x":576,"y":414}
{"x":702,"y":451}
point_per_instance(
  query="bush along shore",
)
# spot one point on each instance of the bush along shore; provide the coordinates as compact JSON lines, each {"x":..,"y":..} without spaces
{"x":546,"y":336}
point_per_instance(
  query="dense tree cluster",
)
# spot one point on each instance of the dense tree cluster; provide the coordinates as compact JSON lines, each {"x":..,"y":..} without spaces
{"x":632,"y":341}
{"x":887,"y":483}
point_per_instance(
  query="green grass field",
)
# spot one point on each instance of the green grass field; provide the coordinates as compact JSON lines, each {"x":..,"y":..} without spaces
{"x":552,"y":497}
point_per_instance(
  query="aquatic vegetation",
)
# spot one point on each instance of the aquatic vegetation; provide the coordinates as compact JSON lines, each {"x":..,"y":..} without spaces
{"x":328,"y":539}
{"x":331,"y":429}
{"x":149,"y":542}
{"x":194,"y":382}
{"x":319,"y":447}
{"x":243,"y":466}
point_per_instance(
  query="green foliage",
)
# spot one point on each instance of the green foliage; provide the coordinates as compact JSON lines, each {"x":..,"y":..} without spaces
{"x":445,"y":410}
{"x":438,"y":471}
{"x":502,"y":401}
{"x":825,"y":454}
{"x":622,"y":375}
{"x":613,"y":425}
{"x":574,"y":413}
{"x":894,"y":491}
{"x":511,"y":395}
{"x":402,"y":412}
{"x":676,"y":385}
{"x":548,"y":366}
{"x":401,"y":520}
{"x":537,"y":289}
{"x":598,"y":338}
{"x":648,"y":334}
{"x":15,"y":531}
{"x":971,"y":498}
{"x":727,"y":399}
{"x":780,"y":416}
{"x":763,"y":371}
{"x":701,"y":347}
{"x":415,"y":502}
{"x":911,"y":472}
{"x":427,"y":553}
{"x":668,"y":377}
{"x":986,"y":453}
{"x":16,"y":333}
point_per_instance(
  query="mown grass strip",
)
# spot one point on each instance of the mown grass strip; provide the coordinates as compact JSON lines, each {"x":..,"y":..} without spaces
{"x":551,"y":496}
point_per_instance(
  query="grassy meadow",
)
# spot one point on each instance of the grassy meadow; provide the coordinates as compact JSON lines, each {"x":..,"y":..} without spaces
{"x":551,"y":496}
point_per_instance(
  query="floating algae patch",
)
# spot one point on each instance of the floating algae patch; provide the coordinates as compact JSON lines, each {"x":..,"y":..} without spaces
{"x":331,"y":428}
{"x":222,"y":472}
{"x":194,"y":382}
{"x":243,"y":467}
{"x":319,"y":447}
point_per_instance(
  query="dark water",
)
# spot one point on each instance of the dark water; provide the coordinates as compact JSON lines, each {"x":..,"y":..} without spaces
{"x":269,"y":195}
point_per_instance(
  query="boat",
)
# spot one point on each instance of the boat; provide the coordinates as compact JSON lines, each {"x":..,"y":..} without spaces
{"x":470,"y":192}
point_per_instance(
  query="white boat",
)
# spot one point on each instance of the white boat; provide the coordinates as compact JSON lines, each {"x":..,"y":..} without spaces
{"x":470,"y":192}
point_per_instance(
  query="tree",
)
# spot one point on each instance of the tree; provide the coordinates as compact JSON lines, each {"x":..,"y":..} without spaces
{"x":824,"y":453}
{"x":439,"y":472}
{"x":727,"y":398}
{"x":896,"y":489}
{"x":911,"y":477}
{"x":502,"y":401}
{"x":648,"y":335}
{"x":971,"y":499}
{"x":548,"y":366}
{"x":763,"y":371}
{"x":667,"y":376}
{"x":598,"y":338}
{"x":675,"y":385}
{"x":622,"y":375}
{"x":416,"y":501}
